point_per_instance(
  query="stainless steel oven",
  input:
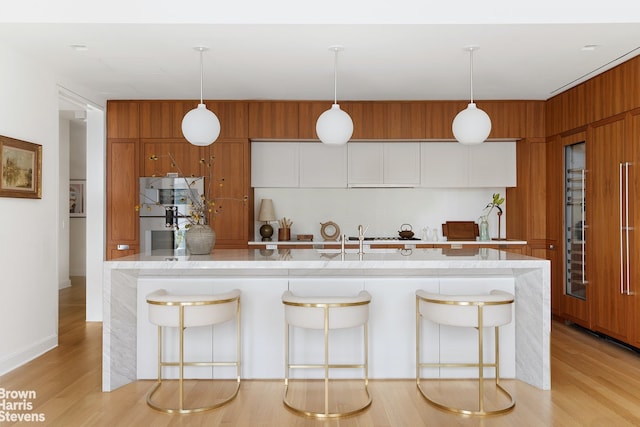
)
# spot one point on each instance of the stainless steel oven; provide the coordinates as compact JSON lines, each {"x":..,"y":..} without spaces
{"x":158,"y":238}
{"x":164,"y":213}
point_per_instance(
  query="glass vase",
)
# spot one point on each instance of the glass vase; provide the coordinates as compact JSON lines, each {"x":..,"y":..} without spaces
{"x":484,"y":229}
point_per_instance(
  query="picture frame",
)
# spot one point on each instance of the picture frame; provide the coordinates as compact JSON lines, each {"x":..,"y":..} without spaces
{"x":77,"y":195}
{"x":20,"y":168}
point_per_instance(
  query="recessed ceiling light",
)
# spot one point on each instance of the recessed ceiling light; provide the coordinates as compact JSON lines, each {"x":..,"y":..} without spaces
{"x":589,"y":47}
{"x":79,"y":47}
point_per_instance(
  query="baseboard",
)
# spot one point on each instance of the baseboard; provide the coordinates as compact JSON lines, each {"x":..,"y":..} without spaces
{"x":27,"y":354}
{"x":64,"y":284}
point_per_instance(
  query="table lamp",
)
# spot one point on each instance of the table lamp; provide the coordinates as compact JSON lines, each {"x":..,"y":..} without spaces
{"x":266,"y":214}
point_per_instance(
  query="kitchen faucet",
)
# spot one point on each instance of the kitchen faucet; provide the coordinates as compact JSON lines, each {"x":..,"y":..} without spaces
{"x":361,"y":231}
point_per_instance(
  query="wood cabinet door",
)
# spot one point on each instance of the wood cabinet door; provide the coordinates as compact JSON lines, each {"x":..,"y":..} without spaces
{"x":229,"y":185}
{"x":123,"y":119}
{"x":633,"y":155}
{"x":273,"y":120}
{"x":605,"y":152}
{"x":122,"y":198}
{"x":162,"y":156}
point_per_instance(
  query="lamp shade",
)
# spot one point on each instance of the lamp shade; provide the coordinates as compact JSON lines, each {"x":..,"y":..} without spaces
{"x":200,"y":126}
{"x":266,"y":212}
{"x":471,"y":126}
{"x":334,"y":126}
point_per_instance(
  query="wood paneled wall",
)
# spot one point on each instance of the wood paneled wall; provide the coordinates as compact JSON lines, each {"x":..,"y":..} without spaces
{"x":612,"y":92}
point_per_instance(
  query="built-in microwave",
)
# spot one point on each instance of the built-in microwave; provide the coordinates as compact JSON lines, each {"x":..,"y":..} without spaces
{"x":159,"y":193}
{"x":165,"y":207}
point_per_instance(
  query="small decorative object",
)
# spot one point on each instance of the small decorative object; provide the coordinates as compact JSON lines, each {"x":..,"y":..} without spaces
{"x":266,"y":214}
{"x":21,"y":167}
{"x":329,"y":231}
{"x":484,"y":228}
{"x":200,"y":239}
{"x":305,"y":237}
{"x":406,"y":231}
{"x":484,"y":223}
{"x":284,"y":232}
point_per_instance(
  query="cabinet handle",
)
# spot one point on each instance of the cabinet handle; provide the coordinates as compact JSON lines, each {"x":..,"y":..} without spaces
{"x":627,"y":227}
{"x":123,"y":247}
{"x":621,"y":210}
{"x":584,"y":228}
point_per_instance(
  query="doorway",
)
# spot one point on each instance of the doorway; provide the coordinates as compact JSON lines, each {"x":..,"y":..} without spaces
{"x":82,"y":143}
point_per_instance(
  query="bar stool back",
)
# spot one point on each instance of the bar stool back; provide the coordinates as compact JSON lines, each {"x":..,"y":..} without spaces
{"x":326,"y":313}
{"x":186,"y":311}
{"x":474,"y":311}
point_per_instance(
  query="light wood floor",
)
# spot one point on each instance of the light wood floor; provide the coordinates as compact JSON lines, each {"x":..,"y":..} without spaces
{"x":594,"y":383}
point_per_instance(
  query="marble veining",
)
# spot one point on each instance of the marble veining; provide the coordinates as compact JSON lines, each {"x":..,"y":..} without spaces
{"x":531,"y":275}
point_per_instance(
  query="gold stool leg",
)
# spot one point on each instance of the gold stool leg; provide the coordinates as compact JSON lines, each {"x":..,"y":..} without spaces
{"x":181,"y":364}
{"x":481,"y":365}
{"x":326,"y":414}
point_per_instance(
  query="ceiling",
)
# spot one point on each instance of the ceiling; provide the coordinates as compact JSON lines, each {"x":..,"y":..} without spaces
{"x":293,"y":61}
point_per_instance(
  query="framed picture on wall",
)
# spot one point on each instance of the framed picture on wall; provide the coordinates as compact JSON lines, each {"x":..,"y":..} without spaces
{"x":76,"y":198}
{"x":20,"y":168}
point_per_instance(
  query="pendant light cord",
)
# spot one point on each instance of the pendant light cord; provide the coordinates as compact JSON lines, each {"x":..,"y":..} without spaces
{"x":201,"y":72}
{"x":471,"y":71}
{"x":335,"y":77}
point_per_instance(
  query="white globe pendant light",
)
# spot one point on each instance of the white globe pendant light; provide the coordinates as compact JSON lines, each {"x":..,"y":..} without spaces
{"x":472,"y":125}
{"x":201,"y":126}
{"x":334,"y":126}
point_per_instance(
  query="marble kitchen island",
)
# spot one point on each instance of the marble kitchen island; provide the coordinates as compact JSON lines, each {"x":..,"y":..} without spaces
{"x":391,"y":276}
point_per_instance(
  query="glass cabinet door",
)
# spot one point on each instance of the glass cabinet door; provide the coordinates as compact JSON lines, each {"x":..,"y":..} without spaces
{"x":575,"y":209}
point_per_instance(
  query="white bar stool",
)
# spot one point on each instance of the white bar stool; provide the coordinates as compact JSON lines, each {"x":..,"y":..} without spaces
{"x":326,"y":313}
{"x":186,"y":311}
{"x":473,"y":311}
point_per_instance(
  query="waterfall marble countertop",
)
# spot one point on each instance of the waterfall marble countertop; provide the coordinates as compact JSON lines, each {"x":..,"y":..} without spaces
{"x":391,"y":275}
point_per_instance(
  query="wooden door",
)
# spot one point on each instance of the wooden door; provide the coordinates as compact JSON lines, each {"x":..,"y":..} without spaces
{"x":229,"y":164}
{"x":605,"y":152}
{"x":122,"y":198}
{"x":633,"y":156}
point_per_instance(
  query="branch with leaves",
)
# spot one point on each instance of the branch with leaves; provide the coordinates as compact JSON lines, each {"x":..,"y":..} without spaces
{"x":495,"y":204}
{"x":200,"y":204}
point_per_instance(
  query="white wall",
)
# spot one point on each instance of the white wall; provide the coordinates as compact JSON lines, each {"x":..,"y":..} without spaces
{"x":383,"y":209}
{"x":63,"y":238}
{"x":29,"y":232}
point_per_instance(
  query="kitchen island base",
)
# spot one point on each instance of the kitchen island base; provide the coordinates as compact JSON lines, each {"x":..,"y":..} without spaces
{"x":391,"y":278}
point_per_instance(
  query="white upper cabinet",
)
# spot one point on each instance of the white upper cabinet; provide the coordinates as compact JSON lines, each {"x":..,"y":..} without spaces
{"x":389,"y":164}
{"x":383,"y":164}
{"x":365,"y":163}
{"x":275,"y":164}
{"x":402,"y":163}
{"x":492,"y":164}
{"x":453,"y":165}
{"x":323,"y":166}
{"x":444,"y":164}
